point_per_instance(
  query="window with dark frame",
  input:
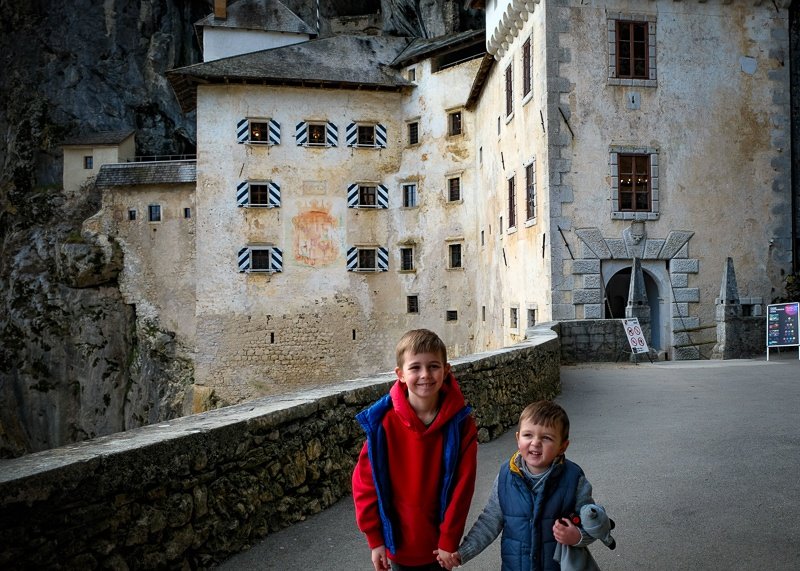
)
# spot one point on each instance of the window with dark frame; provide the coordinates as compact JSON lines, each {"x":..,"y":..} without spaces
{"x":526,"y":67}
{"x":367,"y":196}
{"x":454,"y":189}
{"x":406,"y":259}
{"x":366,"y":136}
{"x":132,"y":214}
{"x":154,"y":213}
{"x":454,"y":123}
{"x":412,"y":304}
{"x":260,"y":260}
{"x":366,"y":259}
{"x":259,"y":194}
{"x":513,"y":321}
{"x":634,"y":182}
{"x":451,"y":315}
{"x":632,"y":50}
{"x":531,"y":317}
{"x":509,"y":89}
{"x":317,"y":133}
{"x":454,"y":256}
{"x":88,"y":162}
{"x":187,"y":212}
{"x":409,"y":195}
{"x":413,"y":133}
{"x":530,"y":191}
{"x":259,"y":132}
{"x":512,"y":202}
{"x":412,"y":74}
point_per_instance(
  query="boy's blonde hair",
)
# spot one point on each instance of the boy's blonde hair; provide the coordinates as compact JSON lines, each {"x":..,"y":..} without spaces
{"x":420,"y":341}
{"x":546,"y":413}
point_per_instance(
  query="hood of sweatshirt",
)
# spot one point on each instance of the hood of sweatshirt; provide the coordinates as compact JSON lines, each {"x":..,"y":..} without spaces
{"x":451,"y":401}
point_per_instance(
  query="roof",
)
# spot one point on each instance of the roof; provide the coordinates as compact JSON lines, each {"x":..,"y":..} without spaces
{"x":423,"y":48}
{"x":480,"y":80}
{"x":267,"y":15}
{"x":101,"y":138}
{"x":133,"y":174}
{"x":346,"y":62}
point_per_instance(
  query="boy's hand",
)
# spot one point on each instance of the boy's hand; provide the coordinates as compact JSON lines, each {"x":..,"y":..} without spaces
{"x":565,"y":532}
{"x":379,"y":560}
{"x":446,"y":559}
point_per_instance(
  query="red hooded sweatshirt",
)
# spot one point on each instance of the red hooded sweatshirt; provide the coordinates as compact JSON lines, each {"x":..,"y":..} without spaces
{"x":415,"y":472}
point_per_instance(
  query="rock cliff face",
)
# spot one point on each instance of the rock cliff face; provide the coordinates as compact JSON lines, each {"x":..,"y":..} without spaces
{"x":75,"y":361}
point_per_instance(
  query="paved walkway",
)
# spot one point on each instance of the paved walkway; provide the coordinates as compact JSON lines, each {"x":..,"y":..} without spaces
{"x":697,"y":461}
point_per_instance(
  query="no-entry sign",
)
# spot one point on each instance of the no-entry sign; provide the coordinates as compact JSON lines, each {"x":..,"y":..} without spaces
{"x":635,"y":335}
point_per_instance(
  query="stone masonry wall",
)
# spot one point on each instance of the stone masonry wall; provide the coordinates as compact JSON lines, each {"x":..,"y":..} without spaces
{"x":190,"y":492}
{"x":592,"y":340}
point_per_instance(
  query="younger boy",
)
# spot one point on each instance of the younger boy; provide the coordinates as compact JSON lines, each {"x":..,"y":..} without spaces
{"x":532,"y":499}
{"x":414,"y":479}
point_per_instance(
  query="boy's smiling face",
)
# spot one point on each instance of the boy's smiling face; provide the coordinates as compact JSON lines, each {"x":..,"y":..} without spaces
{"x":423,"y":374}
{"x":539,"y":445}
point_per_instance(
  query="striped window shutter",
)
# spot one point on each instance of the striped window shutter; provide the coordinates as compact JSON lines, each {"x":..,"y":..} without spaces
{"x":243,"y":194}
{"x":352,"y":195}
{"x":351,"y":134}
{"x":274,"y":132}
{"x":383,"y":259}
{"x":332,"y":134}
{"x":243,"y":131}
{"x":244,"y":259}
{"x":352,"y":259}
{"x":276,"y":259}
{"x":383,"y":196}
{"x":301,"y":133}
{"x":380,"y":136}
{"x":274,"y":193}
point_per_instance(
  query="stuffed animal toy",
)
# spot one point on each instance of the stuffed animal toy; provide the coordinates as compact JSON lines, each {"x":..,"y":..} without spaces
{"x":596,"y":523}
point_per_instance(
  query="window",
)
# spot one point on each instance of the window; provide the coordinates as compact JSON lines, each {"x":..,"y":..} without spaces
{"x":260,"y":259}
{"x":259,"y":194}
{"x":366,"y":136}
{"x":412,"y":74}
{"x":367,"y":259}
{"x":316,"y":134}
{"x":451,"y":315}
{"x":413,"y":133}
{"x":187,"y":212}
{"x":367,"y":195}
{"x":512,"y":202}
{"x":531,"y":317}
{"x":412,"y":304}
{"x":370,"y":135}
{"x":409,"y":195}
{"x":530,"y":191}
{"x":406,"y":259}
{"x":132,"y":214}
{"x":634,"y":183}
{"x":88,"y":162}
{"x":154,"y":213}
{"x":513,"y":318}
{"x":483,"y":313}
{"x":454,"y":123}
{"x":258,"y":131}
{"x":632,"y":50}
{"x":454,"y":256}
{"x":509,"y":89}
{"x":454,"y":189}
{"x":526,"y":67}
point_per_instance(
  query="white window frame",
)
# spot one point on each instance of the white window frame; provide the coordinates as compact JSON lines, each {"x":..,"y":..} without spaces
{"x":413,"y":193}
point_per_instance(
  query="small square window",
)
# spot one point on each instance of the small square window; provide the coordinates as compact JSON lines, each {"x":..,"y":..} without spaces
{"x":452,"y":315}
{"x":413,"y":133}
{"x":366,"y":136}
{"x":454,"y":189}
{"x":259,"y":194}
{"x":154,"y":213}
{"x":454,"y":256}
{"x":454,"y":123}
{"x":316,"y":134}
{"x":366,"y":259}
{"x":409,"y":195}
{"x":187,"y":212}
{"x":412,"y":304}
{"x":132,"y":214}
{"x":88,"y":162}
{"x":367,"y":196}
{"x":259,"y":260}
{"x":406,"y":259}
{"x":259,"y":132}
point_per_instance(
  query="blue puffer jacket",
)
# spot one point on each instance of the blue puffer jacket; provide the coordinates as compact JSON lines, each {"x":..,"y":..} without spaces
{"x":528,"y":543}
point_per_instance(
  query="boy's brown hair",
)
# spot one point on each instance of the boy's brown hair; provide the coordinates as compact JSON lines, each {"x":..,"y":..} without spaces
{"x":546,"y":413}
{"x":420,"y":341}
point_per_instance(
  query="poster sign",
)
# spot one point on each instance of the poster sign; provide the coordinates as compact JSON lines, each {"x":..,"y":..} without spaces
{"x":635,"y":335}
{"x":782,"y":325}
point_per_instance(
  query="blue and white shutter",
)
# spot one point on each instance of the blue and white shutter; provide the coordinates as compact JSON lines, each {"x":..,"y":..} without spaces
{"x":274,"y":191}
{"x":243,"y":131}
{"x":380,"y":136}
{"x":351,"y":134}
{"x":332,"y":134}
{"x":243,"y":194}
{"x":301,"y":133}
{"x":274,"y":136}
{"x":352,"y":196}
{"x":383,"y":260}
{"x":383,"y":196}
{"x":244,"y":259}
{"x":352,"y":259}
{"x":276,"y":259}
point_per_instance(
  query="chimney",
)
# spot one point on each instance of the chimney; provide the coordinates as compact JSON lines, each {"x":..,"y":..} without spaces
{"x":221,"y":9}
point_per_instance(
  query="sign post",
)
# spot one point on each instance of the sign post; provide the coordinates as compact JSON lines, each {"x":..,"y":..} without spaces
{"x":635,"y":336}
{"x":782,"y":326}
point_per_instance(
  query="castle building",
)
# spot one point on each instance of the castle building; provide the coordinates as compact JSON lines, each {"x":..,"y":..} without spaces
{"x":352,"y":187}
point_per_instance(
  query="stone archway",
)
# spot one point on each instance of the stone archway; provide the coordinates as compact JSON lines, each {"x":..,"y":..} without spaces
{"x":616,"y":297}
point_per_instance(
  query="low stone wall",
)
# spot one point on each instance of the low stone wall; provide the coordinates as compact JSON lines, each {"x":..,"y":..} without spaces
{"x":190,"y":492}
{"x":592,"y":340}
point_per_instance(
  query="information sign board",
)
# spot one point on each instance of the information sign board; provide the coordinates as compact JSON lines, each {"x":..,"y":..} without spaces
{"x":782,"y":325}
{"x":635,"y":335}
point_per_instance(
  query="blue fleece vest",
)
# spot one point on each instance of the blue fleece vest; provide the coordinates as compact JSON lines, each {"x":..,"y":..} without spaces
{"x":528,"y":543}
{"x":371,"y":420}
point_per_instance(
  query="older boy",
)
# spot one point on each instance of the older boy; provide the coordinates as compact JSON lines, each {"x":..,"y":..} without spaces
{"x":533,"y":495}
{"x":414,"y":479}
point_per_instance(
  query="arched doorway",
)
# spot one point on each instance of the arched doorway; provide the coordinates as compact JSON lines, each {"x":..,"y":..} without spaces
{"x":616,"y":294}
